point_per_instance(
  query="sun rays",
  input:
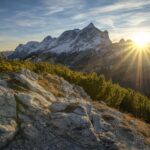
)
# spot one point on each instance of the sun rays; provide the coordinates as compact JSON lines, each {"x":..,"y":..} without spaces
{"x":134,"y":58}
{"x":140,"y":43}
{"x":141,"y":40}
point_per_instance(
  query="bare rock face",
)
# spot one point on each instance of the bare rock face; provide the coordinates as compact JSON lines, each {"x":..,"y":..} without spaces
{"x":48,"y":113}
{"x":8,"y":115}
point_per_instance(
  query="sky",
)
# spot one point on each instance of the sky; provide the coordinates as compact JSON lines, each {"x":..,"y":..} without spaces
{"x":32,"y":20}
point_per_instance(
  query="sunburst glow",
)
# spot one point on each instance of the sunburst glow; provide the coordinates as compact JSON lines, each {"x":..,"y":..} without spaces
{"x":141,"y":39}
{"x":137,"y":53}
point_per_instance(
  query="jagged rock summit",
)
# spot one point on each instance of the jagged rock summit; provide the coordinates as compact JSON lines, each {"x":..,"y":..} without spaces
{"x":75,"y":40}
{"x":48,"y":113}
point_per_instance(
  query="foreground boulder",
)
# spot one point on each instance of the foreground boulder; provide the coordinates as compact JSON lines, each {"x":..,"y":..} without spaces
{"x":48,"y":113}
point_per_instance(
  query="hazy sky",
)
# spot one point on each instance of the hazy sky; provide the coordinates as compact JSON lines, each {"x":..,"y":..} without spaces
{"x":24,"y":20}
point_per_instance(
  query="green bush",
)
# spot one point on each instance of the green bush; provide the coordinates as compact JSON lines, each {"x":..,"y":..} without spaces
{"x":96,"y":86}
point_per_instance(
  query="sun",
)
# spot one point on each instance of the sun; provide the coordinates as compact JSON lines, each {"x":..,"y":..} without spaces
{"x":141,"y":39}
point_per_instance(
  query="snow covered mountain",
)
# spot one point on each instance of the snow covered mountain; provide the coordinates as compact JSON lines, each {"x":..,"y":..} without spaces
{"x":75,"y":40}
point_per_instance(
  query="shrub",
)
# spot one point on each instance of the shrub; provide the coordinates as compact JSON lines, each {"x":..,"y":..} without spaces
{"x":96,"y":86}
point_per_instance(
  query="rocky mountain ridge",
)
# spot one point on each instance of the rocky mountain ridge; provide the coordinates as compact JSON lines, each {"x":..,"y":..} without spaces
{"x":75,"y":40}
{"x":46,"y":112}
{"x":90,"y":50}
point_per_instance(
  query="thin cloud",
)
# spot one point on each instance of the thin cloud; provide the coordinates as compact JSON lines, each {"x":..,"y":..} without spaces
{"x":116,"y":7}
{"x":56,"y":6}
{"x":120,"y":6}
{"x":119,"y":17}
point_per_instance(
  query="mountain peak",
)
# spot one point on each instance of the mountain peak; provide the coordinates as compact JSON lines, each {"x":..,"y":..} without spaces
{"x":87,"y":38}
{"x":91,"y":25}
{"x":47,"y":38}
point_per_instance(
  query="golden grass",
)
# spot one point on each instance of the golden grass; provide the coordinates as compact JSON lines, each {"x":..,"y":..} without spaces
{"x":50,"y":84}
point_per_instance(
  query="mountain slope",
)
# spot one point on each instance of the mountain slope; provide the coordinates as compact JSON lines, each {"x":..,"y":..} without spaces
{"x":46,"y":112}
{"x":90,"y":50}
{"x":69,"y":41}
{"x":119,"y":62}
{"x":126,"y":100}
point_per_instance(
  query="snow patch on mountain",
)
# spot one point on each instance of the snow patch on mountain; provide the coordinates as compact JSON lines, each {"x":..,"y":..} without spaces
{"x":75,"y":40}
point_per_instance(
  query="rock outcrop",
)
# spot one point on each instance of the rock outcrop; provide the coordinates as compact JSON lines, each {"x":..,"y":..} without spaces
{"x":48,"y":113}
